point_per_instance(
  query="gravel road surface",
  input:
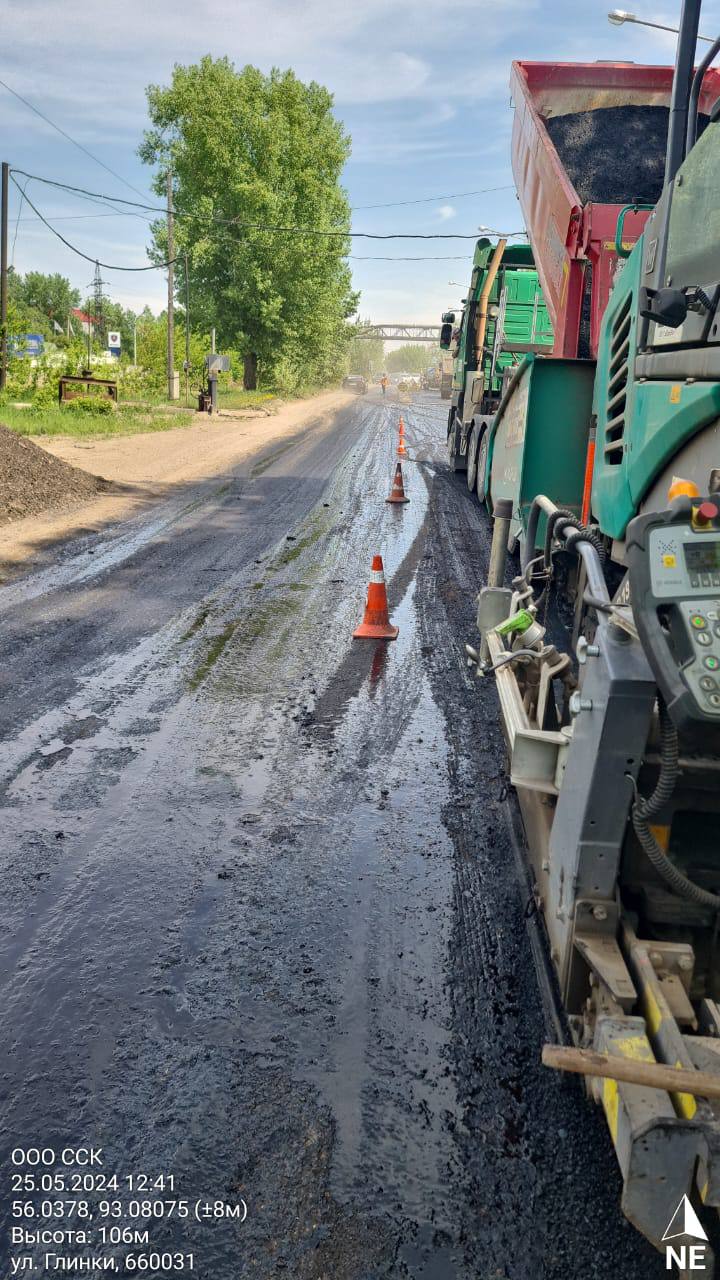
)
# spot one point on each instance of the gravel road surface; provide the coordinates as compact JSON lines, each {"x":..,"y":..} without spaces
{"x":263,"y":930}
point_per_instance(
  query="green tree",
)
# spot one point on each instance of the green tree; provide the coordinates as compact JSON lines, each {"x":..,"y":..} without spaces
{"x":52,"y":295}
{"x":412,"y":358}
{"x":23,"y":318}
{"x":152,"y":350}
{"x":365,"y":355}
{"x":115,"y":318}
{"x":249,"y":153}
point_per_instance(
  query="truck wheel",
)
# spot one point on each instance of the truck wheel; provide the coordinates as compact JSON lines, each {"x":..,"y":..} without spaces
{"x":481,"y":466}
{"x":455,"y":459}
{"x":472,"y":459}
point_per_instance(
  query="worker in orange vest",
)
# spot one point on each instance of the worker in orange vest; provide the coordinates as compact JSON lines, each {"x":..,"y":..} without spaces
{"x":383,"y":383}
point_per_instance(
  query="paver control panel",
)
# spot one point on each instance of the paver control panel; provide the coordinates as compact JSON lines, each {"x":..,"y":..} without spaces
{"x":674,"y":562}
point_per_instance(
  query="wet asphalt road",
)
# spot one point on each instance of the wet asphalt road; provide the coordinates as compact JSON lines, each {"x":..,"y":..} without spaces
{"x":262,"y":925}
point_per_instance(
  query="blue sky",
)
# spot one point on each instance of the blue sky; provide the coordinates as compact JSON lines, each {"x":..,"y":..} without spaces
{"x":422,"y":88}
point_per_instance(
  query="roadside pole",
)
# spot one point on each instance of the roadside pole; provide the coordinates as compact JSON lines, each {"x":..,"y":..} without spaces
{"x":171,"y":291}
{"x":187,"y":334}
{"x":4,"y":274}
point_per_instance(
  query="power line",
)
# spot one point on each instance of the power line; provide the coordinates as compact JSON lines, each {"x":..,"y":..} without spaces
{"x":356,"y":208}
{"x":17,"y":224}
{"x":457,"y":195}
{"x":261,"y":226}
{"x":318,"y":232}
{"x":444,"y":257}
{"x":109,"y":266}
{"x":74,"y":142}
{"x":354,"y":257}
{"x":85,"y":217}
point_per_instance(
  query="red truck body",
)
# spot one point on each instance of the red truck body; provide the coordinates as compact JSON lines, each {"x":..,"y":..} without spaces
{"x":565,"y":234}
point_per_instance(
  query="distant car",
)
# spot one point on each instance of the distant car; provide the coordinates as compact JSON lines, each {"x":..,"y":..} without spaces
{"x":355,"y":382}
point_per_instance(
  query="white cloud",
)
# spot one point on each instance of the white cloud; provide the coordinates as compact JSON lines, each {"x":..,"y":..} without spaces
{"x":445,"y":212}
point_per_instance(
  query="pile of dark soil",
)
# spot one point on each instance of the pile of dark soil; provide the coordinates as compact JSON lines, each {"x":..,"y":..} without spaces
{"x":615,"y":154}
{"x":33,"y":481}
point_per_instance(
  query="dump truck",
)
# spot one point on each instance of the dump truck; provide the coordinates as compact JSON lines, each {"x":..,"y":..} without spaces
{"x":503,"y":318}
{"x":600,"y":618}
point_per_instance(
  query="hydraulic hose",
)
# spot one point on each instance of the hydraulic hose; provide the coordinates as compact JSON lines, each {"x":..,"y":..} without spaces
{"x":539,"y":504}
{"x":644,"y":809}
{"x":578,"y":533}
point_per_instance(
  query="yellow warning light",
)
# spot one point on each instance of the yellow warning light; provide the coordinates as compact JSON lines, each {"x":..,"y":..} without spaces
{"x":680,"y":488}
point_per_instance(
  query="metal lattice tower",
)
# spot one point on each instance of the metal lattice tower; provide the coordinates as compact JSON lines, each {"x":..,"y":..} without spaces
{"x":99,"y":305}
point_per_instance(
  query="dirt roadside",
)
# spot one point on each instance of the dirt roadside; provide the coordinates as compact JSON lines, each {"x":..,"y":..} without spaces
{"x":141,"y":469}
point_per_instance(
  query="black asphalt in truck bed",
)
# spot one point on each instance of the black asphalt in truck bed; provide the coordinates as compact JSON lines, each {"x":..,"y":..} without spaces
{"x":615,"y":154}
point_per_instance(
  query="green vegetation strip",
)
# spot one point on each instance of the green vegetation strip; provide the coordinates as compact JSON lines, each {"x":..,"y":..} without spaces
{"x":261,"y":616}
{"x":125,"y":421}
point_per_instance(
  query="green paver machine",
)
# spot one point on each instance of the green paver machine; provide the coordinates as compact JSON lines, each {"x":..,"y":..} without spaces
{"x":601,"y":468}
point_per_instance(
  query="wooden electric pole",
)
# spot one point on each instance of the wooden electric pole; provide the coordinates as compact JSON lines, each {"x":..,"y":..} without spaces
{"x":172,"y":389}
{"x":187,"y":332}
{"x":4,"y":274}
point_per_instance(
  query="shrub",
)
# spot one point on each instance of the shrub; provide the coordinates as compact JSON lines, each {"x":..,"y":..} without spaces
{"x":92,"y":404}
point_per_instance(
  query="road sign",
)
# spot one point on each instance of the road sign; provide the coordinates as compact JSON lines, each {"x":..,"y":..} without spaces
{"x":26,"y":344}
{"x":114,"y":343}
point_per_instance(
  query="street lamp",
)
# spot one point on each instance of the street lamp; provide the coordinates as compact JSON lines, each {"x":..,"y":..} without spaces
{"x":619,"y":16}
{"x":508,"y":235}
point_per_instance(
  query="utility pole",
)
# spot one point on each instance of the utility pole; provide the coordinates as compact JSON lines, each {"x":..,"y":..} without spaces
{"x":172,"y":389}
{"x":4,"y":275}
{"x":187,"y":333}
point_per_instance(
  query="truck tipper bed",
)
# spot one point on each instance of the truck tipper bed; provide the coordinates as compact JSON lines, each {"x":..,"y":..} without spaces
{"x":588,"y":139}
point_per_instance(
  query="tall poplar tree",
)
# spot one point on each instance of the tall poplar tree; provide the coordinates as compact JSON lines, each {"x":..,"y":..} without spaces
{"x":253,"y":156}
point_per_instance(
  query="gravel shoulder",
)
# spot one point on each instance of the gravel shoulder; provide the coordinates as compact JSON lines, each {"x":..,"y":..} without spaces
{"x":116,"y":478}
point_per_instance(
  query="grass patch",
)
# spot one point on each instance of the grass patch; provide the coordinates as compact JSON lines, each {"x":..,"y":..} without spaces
{"x":212,"y":655}
{"x":196,"y":623}
{"x":236,"y":398}
{"x":292,"y":553}
{"x":128,"y":420}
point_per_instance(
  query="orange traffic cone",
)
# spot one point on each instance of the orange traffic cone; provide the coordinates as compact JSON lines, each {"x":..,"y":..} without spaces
{"x":401,"y":426}
{"x":376,"y":622}
{"x":401,"y":450}
{"x":397,"y":493}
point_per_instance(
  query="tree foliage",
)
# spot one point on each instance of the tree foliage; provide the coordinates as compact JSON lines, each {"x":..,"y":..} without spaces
{"x":53,"y":295}
{"x":413,"y":357}
{"x":250,"y":151}
{"x":365,"y":355}
{"x":36,"y":299}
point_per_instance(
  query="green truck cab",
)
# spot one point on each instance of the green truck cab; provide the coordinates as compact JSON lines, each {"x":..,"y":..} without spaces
{"x":504,"y":318}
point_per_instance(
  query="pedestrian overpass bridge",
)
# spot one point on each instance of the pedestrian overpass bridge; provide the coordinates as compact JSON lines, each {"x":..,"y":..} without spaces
{"x":399,"y":332}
